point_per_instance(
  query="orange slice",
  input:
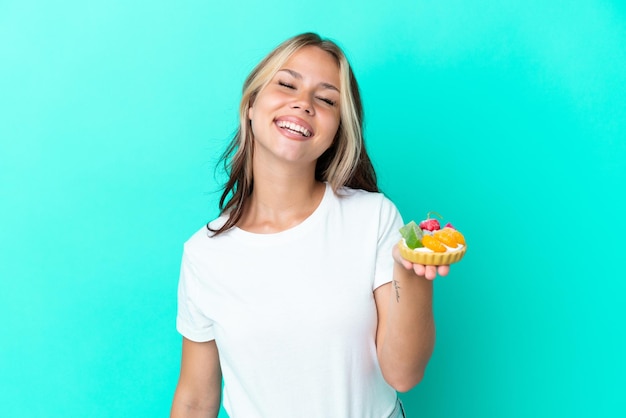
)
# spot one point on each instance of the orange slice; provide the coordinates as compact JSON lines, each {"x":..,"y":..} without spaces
{"x":458,"y":236}
{"x":434,"y":244}
{"x":447,"y":237}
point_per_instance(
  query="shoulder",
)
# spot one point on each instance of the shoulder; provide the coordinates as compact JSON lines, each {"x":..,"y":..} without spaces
{"x":365,"y":200}
{"x":363,"y":209}
{"x":203,"y":237}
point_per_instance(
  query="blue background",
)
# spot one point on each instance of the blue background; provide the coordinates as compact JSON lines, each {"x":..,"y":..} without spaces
{"x":508,"y":118}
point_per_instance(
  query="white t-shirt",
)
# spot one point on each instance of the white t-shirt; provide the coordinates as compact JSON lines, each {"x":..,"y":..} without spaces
{"x":293,"y":313}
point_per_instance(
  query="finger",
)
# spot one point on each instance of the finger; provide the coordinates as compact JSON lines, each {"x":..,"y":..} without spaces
{"x":419,"y":269}
{"x":431,"y":272}
{"x":443,"y":270}
{"x":407,"y":264}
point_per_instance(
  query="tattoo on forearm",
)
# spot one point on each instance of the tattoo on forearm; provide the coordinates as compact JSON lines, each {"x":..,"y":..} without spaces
{"x":397,"y":288}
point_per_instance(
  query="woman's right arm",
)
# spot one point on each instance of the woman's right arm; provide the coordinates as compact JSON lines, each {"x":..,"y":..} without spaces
{"x":199,"y":389}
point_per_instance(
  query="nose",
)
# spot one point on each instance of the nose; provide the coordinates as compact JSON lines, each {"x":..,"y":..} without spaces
{"x":304,"y":102}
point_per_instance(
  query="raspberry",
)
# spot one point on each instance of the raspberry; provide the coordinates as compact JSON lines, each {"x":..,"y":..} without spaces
{"x":430,"y":225}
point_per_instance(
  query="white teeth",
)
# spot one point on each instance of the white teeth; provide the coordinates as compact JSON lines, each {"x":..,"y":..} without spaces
{"x":294,"y":127}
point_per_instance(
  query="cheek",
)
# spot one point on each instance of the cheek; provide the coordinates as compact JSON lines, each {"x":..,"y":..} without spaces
{"x":335,"y":121}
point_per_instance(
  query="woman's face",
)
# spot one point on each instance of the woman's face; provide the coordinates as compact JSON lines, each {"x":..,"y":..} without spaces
{"x":296,"y":116}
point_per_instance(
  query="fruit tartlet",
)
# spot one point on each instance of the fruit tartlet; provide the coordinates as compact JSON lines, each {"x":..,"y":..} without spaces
{"x":429,"y":244}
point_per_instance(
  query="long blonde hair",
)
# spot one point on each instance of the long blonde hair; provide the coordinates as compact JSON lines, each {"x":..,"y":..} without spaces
{"x":345,"y":163}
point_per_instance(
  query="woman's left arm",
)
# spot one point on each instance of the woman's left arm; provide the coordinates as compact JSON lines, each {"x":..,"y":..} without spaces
{"x":405,"y":336}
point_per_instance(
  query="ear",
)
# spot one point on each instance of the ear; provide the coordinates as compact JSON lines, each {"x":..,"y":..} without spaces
{"x":250,"y":111}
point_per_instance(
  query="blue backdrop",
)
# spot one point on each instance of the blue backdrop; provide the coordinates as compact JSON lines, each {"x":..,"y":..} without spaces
{"x":506,"y":117}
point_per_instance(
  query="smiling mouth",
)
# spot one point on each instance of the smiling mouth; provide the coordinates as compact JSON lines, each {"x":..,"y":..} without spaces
{"x":294,"y":127}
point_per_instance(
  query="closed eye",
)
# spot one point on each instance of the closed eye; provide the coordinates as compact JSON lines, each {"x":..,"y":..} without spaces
{"x":327,"y":101}
{"x":289,"y":86}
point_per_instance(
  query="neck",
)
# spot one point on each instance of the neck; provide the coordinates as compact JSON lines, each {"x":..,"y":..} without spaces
{"x":282,"y":198}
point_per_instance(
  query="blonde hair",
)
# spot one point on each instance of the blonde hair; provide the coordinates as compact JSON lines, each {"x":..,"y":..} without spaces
{"x":344,"y":164}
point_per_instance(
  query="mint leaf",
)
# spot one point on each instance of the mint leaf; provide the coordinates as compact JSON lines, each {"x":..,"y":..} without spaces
{"x":412,"y":235}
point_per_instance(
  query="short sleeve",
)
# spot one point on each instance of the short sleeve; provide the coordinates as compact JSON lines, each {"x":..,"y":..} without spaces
{"x":191,"y":322}
{"x":389,"y":225}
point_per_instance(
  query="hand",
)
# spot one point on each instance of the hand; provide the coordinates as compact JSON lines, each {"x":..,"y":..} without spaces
{"x":428,"y":272}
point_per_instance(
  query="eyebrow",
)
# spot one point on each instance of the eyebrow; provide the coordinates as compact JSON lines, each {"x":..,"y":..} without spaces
{"x":297,"y":75}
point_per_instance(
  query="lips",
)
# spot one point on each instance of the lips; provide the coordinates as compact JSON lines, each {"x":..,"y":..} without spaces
{"x":295,"y":126}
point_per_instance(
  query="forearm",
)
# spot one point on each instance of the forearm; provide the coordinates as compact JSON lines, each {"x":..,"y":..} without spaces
{"x":188,"y":407}
{"x":409,"y":332}
{"x":199,"y":389}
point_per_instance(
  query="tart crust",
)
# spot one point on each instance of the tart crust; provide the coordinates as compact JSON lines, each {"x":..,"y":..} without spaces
{"x":430,"y":258}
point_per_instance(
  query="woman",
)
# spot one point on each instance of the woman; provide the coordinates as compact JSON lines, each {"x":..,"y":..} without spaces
{"x":296,"y":294}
